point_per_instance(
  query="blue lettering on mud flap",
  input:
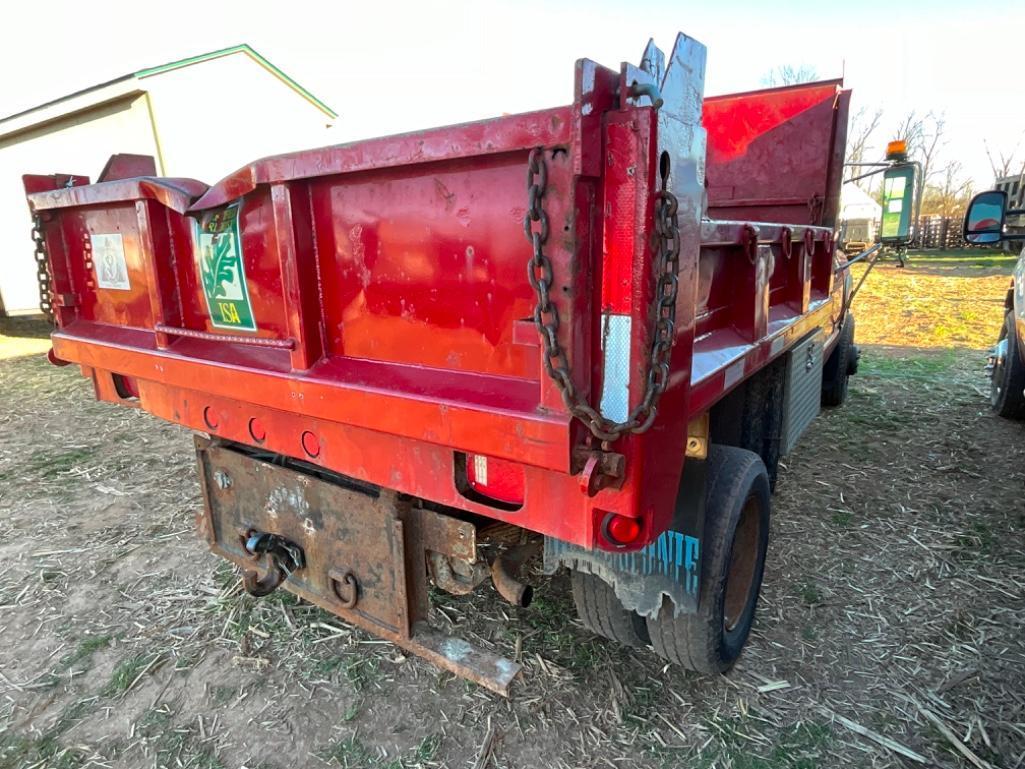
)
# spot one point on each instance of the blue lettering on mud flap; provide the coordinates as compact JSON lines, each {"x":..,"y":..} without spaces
{"x":669,"y":566}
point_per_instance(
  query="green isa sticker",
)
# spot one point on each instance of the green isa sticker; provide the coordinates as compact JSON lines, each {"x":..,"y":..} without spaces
{"x":221,"y":270}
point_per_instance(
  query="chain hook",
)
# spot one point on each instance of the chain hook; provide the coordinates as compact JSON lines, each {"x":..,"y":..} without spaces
{"x":43,"y":277}
{"x":666,"y":267}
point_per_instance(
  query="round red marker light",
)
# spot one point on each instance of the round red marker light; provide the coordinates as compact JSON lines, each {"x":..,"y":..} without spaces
{"x":257,"y":430}
{"x":311,"y":444}
{"x":622,"y":530}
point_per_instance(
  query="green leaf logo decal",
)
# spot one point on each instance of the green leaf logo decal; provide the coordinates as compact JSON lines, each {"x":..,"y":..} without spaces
{"x":222,"y":269}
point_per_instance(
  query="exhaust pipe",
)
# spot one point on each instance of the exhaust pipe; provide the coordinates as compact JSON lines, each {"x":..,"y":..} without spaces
{"x":505,"y":570}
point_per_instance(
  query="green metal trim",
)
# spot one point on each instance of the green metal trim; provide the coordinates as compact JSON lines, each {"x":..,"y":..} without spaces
{"x":243,"y":48}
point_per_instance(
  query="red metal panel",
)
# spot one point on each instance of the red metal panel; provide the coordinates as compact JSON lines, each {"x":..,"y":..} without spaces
{"x":472,"y":413}
{"x":772,"y":153}
{"x":127,"y":166}
{"x":412,"y":256}
{"x":125,"y":307}
{"x":64,"y":300}
{"x":299,"y":285}
{"x":154,"y":242}
{"x":176,"y":194}
{"x":622,"y":227}
{"x":546,"y":128}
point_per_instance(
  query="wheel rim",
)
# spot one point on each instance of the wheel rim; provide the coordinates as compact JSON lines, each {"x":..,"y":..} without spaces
{"x":999,"y":362}
{"x":743,"y":563}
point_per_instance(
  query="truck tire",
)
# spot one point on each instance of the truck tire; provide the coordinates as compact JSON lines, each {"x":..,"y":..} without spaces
{"x":603,"y":614}
{"x":841,"y":364}
{"x":762,"y":424}
{"x":1008,"y":374}
{"x":733,"y":546}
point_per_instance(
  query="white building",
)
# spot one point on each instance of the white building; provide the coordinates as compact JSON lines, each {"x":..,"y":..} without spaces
{"x":201,"y":118}
{"x":859,"y":217}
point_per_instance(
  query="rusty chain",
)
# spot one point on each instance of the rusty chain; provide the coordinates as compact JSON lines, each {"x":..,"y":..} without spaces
{"x":42,"y":268}
{"x":663,"y":311}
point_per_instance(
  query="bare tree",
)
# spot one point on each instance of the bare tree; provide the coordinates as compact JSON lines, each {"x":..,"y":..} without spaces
{"x":933,"y":127}
{"x":859,"y":141}
{"x":924,"y":137}
{"x":950,"y":195}
{"x":910,"y":129}
{"x":787,"y":74}
{"x":1006,"y":165}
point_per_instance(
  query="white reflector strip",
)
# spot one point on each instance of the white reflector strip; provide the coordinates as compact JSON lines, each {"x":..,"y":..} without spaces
{"x":615,"y":344}
{"x":480,"y":469}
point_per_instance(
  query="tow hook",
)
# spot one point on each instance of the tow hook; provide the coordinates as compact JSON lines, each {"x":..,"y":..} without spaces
{"x":278,"y":558}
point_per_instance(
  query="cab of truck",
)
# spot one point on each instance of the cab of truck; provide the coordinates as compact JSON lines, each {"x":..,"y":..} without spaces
{"x":985,"y":224}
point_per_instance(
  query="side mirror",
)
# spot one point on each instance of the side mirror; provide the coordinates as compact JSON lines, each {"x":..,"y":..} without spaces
{"x":984,"y":220}
{"x":898,"y":204}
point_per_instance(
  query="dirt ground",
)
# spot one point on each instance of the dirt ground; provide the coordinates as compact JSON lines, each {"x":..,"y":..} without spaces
{"x":891,"y":631}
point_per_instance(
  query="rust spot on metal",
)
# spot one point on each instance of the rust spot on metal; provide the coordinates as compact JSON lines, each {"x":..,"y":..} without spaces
{"x":346,"y":587}
{"x":505,"y":572}
{"x":366,"y":563}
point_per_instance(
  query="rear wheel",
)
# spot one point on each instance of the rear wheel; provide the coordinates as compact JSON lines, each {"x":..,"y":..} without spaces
{"x":734,"y":544}
{"x":1008,"y":373}
{"x":603,"y":614}
{"x":841,"y":364}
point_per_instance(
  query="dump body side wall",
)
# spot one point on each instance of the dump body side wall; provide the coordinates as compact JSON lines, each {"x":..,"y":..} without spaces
{"x":777,"y":155}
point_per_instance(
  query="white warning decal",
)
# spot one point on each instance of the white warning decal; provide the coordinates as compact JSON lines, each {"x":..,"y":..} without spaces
{"x":109,"y":261}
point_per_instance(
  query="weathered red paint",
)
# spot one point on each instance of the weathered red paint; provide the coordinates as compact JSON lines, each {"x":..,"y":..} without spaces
{"x":388,"y":280}
{"x":776,"y":155}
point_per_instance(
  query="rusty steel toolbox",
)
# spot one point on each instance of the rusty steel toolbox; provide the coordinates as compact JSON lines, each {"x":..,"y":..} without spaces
{"x":418,"y":359}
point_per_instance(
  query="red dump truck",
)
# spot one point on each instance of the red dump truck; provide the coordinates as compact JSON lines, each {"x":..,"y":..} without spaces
{"x":587,"y":332}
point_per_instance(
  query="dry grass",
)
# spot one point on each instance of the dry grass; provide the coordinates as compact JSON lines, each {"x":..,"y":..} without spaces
{"x":935,"y":303}
{"x":22,"y":336}
{"x":890,"y":628}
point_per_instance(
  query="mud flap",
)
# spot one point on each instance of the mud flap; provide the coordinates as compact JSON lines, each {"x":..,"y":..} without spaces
{"x":668,"y":567}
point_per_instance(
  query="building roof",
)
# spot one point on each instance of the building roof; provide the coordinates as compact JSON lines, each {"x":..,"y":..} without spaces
{"x":249,"y":51}
{"x":121,"y":86}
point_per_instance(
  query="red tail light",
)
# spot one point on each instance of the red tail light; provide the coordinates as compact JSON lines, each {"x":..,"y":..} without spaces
{"x":495,"y":478}
{"x":622,"y":531}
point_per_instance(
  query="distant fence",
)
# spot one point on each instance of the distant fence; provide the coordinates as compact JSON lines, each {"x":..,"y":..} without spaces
{"x":940,"y":232}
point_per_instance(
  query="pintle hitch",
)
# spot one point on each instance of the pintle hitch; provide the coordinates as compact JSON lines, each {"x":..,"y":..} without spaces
{"x":275,"y":556}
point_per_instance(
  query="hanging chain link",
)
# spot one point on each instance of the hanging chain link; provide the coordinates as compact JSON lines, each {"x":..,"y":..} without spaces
{"x":42,"y":268}
{"x":666,"y":267}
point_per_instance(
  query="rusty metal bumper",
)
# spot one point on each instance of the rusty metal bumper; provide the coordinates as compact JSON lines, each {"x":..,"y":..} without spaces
{"x":359,"y":552}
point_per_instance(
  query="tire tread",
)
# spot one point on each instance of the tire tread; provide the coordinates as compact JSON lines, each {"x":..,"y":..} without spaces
{"x":602,"y":613}
{"x":1011,"y":404}
{"x":693,"y":639}
{"x":834,"y":376}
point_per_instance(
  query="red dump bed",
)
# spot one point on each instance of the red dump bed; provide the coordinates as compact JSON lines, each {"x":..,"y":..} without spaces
{"x":366,"y":307}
